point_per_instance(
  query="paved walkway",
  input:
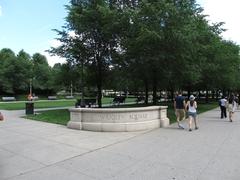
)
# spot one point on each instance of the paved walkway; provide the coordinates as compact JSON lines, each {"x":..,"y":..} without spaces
{"x":31,"y":150}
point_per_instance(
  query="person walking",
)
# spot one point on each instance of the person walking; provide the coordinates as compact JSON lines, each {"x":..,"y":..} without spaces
{"x":223,"y":105}
{"x":179,"y":107}
{"x":191,"y":108}
{"x":232,"y":105}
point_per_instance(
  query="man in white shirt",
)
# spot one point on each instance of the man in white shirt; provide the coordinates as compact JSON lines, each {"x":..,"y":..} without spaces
{"x":223,"y":105}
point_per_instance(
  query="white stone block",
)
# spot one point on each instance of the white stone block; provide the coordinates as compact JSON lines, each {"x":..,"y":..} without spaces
{"x":74,"y":125}
{"x":164,"y":122}
{"x":114,"y":127}
{"x":119,"y":119}
{"x":92,"y":126}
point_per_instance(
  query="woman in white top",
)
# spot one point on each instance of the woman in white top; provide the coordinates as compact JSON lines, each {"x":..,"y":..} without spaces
{"x":191,"y":108}
{"x":232,"y":105}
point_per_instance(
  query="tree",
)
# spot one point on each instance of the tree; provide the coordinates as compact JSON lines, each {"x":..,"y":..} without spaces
{"x":65,"y":76}
{"x":7,"y":61}
{"x":93,"y":24}
{"x":160,"y":35}
{"x":42,"y":74}
{"x":23,"y":71}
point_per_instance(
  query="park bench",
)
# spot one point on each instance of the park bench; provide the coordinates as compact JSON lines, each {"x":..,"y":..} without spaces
{"x":35,"y":98}
{"x":52,"y":97}
{"x":140,"y":99}
{"x":90,"y":102}
{"x":8,"y":98}
{"x":118,"y":100}
{"x":69,"y":97}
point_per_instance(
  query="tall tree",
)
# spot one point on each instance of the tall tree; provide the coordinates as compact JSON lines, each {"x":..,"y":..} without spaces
{"x":24,"y":72}
{"x":7,"y":73}
{"x":93,"y":24}
{"x":42,"y":74}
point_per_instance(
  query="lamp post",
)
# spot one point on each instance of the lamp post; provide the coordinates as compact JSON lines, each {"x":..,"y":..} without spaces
{"x":30,"y":87}
{"x":82,"y":104}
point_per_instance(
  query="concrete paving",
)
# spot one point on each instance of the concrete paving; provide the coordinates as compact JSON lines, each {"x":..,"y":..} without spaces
{"x":32,"y":150}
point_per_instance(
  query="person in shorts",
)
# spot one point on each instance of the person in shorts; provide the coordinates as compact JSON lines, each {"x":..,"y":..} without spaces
{"x":232,"y":106}
{"x":191,"y":108}
{"x":179,"y":107}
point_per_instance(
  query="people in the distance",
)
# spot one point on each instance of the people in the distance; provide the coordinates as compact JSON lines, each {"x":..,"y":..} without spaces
{"x":179,"y":107}
{"x":223,"y":105}
{"x":191,"y":108}
{"x":232,"y":105}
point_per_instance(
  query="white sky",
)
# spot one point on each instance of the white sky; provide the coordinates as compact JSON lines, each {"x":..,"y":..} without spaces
{"x":224,"y":11}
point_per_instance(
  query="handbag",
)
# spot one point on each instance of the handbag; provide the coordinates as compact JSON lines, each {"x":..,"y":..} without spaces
{"x":1,"y":117}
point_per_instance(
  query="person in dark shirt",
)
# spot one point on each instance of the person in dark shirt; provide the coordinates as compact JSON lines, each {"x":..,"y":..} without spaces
{"x":179,"y":107}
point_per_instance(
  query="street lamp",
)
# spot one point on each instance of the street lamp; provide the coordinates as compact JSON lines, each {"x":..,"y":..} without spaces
{"x":30,"y":87}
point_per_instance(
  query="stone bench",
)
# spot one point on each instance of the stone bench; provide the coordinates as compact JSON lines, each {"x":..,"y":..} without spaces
{"x":52,"y":97}
{"x":118,"y":119}
{"x":69,"y":97}
{"x":8,"y":98}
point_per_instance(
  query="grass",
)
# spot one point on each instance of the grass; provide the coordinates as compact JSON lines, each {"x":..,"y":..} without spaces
{"x":52,"y":116}
{"x":63,"y":116}
{"x":37,"y":104}
{"x":50,"y":104}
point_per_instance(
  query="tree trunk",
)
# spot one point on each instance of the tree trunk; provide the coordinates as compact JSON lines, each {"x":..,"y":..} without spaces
{"x":199,"y":94}
{"x":82,"y":102}
{"x":224,"y":92}
{"x":217,"y":95}
{"x":99,"y":81}
{"x":172,"y":95}
{"x":207,"y":99}
{"x":213,"y":94}
{"x":189,"y":93}
{"x":154,"y":91}
{"x":146,"y":92}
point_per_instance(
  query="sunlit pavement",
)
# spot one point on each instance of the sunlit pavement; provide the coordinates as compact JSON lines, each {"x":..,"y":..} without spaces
{"x":32,"y":150}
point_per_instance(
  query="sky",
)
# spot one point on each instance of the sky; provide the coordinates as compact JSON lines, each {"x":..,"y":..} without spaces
{"x":224,"y":11}
{"x":28,"y":24}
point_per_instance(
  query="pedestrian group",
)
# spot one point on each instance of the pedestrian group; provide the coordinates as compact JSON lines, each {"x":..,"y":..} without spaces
{"x":182,"y":107}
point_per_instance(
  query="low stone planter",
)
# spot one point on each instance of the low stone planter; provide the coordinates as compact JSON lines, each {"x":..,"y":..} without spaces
{"x":118,"y":119}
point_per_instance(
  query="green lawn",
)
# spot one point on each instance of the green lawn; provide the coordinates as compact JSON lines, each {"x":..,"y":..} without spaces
{"x":52,"y":116}
{"x":63,"y":116}
{"x":37,"y":104}
{"x":50,"y":104}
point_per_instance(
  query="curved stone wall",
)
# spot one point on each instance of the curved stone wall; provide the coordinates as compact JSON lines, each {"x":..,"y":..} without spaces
{"x":118,"y":119}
